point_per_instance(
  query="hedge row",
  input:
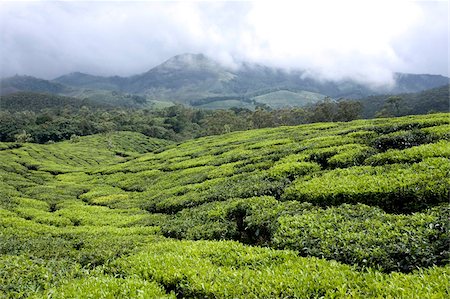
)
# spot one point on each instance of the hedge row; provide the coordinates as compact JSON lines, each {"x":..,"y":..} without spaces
{"x":395,"y":188}
{"x":205,"y":269}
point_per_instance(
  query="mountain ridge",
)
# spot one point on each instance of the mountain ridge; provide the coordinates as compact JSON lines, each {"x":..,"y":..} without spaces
{"x":189,"y":78}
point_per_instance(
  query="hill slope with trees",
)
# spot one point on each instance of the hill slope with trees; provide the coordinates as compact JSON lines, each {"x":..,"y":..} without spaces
{"x":430,"y":100}
{"x":294,"y":212}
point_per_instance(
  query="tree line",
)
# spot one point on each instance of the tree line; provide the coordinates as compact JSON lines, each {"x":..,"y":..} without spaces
{"x":173,"y":123}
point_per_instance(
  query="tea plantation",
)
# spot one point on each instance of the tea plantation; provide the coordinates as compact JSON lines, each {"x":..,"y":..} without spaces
{"x":326,"y":210}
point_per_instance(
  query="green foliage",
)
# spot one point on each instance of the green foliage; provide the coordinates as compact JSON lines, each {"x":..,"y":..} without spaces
{"x":251,"y":220}
{"x":99,"y":287}
{"x":44,"y":122}
{"x":93,"y":216}
{"x":402,"y":140}
{"x":293,"y":169}
{"x":23,"y":137}
{"x":205,"y":269}
{"x":435,"y":99}
{"x":411,"y":155}
{"x":365,"y":236}
{"x":395,"y":188}
{"x":22,"y":277}
{"x":328,"y":110}
{"x":38,"y":101}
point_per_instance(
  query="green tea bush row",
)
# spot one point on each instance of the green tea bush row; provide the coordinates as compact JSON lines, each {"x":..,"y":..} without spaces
{"x":89,"y":246}
{"x":411,"y":155}
{"x":395,"y":188}
{"x":367,"y":237}
{"x":102,"y":286}
{"x":340,"y":156}
{"x":223,"y":269}
{"x":249,"y":220}
{"x":402,"y":140}
{"x":439,"y":132}
{"x":23,"y":277}
{"x":44,"y":217}
{"x":353,"y":234}
{"x":386,"y":126}
{"x":81,"y":214}
{"x":239,"y":186}
{"x":293,"y":170}
{"x":9,"y":145}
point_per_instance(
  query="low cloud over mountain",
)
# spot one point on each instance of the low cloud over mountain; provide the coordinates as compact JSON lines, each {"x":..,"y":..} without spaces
{"x":365,"y":41}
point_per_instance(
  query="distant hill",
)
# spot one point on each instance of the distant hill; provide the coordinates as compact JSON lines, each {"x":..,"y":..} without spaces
{"x":82,"y":80}
{"x":87,"y":88}
{"x":33,"y":101}
{"x":434,"y":99}
{"x":407,"y":83}
{"x":112,"y":98}
{"x":195,"y":79}
{"x":28,"y":83}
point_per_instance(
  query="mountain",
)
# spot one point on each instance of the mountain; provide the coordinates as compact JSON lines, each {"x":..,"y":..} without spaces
{"x":195,"y":79}
{"x":412,"y":83}
{"x":190,"y":78}
{"x":82,"y":80}
{"x":84,"y":88}
{"x":183,"y":78}
{"x":28,"y":83}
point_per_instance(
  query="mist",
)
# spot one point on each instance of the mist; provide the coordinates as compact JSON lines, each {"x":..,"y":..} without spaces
{"x":362,"y":40}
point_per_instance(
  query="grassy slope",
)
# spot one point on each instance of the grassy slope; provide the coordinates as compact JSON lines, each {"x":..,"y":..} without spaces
{"x":227,"y":104}
{"x":100,"y":215}
{"x":285,"y":98}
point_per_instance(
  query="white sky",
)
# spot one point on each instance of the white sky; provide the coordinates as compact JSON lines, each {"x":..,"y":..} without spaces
{"x":366,"y":40}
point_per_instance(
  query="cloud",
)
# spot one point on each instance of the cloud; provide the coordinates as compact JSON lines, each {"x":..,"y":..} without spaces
{"x":363,"y":40}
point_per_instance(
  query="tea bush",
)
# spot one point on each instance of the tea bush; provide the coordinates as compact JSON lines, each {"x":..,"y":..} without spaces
{"x":96,"y":216}
{"x":411,"y":155}
{"x":205,"y":269}
{"x":366,"y":236}
{"x":395,"y":188}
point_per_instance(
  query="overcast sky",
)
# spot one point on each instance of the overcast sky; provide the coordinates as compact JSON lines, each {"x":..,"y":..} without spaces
{"x":363,"y":39}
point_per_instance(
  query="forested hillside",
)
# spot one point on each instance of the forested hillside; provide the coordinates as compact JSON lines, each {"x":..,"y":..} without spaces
{"x":45,"y":118}
{"x":346,"y":209}
{"x":36,"y":102}
{"x":435,"y":99}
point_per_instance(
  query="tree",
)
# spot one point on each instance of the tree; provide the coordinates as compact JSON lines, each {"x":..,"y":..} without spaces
{"x":348,"y":110}
{"x":262,"y":118}
{"x":23,"y":137}
{"x":223,"y":121}
{"x":394,"y":102}
{"x":326,"y":110}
